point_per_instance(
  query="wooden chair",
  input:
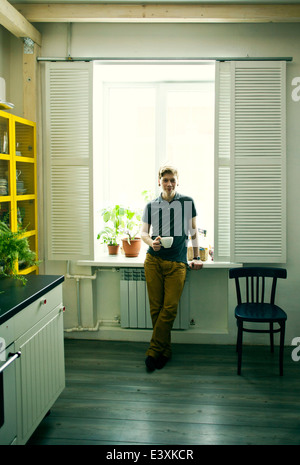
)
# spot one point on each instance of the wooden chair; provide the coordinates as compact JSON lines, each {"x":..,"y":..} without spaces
{"x":252,"y":307}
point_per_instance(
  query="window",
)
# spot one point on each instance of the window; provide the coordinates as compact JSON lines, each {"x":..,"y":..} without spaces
{"x":97,"y":117}
{"x":150,"y":114}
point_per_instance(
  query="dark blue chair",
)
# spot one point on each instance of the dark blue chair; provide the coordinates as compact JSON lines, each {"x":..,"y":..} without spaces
{"x":252,"y":308}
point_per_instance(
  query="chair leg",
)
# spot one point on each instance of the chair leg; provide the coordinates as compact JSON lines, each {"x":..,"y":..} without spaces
{"x":271,"y":337}
{"x":239,"y":346}
{"x":281,"y":348}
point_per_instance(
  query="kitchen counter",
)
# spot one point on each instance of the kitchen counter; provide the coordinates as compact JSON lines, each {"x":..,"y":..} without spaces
{"x":14,"y":296}
{"x":31,"y":324}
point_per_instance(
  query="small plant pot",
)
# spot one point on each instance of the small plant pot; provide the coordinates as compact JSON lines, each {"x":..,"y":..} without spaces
{"x":132,"y":249}
{"x":113,"y":249}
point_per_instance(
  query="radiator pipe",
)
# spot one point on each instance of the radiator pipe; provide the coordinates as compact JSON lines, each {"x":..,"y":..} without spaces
{"x":77,"y":278}
{"x":78,"y":302}
{"x":80,"y":328}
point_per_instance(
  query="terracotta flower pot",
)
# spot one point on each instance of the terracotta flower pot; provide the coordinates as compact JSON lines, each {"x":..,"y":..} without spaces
{"x":113,"y":249}
{"x":132,"y":249}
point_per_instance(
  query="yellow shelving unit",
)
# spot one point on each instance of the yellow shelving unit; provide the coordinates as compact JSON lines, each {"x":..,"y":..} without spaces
{"x":18,"y":181}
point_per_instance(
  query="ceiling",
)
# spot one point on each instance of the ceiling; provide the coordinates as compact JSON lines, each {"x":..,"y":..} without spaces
{"x":18,"y":16}
{"x":196,"y":2}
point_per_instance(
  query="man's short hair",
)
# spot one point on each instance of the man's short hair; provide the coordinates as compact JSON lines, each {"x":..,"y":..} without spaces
{"x":167,"y":169}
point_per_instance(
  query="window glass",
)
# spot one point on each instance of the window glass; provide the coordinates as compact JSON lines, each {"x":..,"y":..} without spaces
{"x":130,"y":143}
{"x":150,"y":114}
{"x":190,"y":146}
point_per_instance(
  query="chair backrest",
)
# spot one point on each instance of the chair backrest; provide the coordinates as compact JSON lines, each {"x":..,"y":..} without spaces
{"x":255,"y":283}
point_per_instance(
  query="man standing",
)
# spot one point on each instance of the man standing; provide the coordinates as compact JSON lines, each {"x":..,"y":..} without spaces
{"x":170,"y":215}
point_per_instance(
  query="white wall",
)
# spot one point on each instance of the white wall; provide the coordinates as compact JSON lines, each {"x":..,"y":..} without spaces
{"x":11,"y":62}
{"x":203,"y":40}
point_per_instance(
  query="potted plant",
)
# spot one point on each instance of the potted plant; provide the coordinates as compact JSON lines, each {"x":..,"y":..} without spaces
{"x":131,"y":227}
{"x":14,"y":247}
{"x":111,"y":233}
{"x":121,"y":220}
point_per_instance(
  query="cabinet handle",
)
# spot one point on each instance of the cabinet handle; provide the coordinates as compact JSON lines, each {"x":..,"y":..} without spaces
{"x":12,"y":358}
{"x":43,"y":301}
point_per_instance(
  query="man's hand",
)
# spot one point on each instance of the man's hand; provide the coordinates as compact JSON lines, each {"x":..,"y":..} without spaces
{"x":195,"y":265}
{"x":156,"y":244}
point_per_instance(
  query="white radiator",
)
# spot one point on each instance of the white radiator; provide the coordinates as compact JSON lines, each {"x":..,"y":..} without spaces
{"x":135,"y":311}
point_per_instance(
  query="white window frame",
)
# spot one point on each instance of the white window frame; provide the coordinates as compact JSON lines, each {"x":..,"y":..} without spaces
{"x":226,"y":142}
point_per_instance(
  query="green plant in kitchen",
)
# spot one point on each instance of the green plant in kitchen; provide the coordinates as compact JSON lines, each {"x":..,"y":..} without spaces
{"x":120,"y":220}
{"x":14,"y":247}
{"x":131,"y":224}
{"x":112,"y":216}
{"x":131,"y":228}
{"x":110,"y":234}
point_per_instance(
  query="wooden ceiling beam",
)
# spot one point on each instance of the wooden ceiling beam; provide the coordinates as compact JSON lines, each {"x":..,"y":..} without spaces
{"x":160,"y":13}
{"x":15,"y":23}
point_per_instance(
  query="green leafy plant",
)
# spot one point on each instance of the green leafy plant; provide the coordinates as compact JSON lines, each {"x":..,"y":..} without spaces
{"x":13,"y":247}
{"x":119,"y":221}
{"x":111,"y":233}
{"x":108,"y":236}
{"x":132,"y":223}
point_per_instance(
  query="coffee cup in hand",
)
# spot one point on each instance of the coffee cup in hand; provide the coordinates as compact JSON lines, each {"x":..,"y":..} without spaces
{"x":166,"y":242}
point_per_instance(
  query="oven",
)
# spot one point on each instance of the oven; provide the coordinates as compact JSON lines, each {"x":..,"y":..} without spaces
{"x":8,"y":407}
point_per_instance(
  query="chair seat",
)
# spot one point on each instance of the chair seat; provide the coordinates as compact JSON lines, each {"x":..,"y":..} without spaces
{"x":261,"y":312}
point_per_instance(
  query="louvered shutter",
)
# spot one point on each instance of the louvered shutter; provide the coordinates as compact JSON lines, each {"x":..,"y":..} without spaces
{"x":258,"y":190}
{"x":68,"y":147}
{"x":222,"y":161}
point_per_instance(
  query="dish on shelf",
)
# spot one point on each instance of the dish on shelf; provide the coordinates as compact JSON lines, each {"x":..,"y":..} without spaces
{"x":3,"y":186}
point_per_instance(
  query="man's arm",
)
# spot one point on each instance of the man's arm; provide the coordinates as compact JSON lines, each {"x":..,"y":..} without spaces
{"x":155,"y":244}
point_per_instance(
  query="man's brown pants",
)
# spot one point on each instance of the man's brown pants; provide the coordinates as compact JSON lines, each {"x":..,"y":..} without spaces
{"x":165,"y":281}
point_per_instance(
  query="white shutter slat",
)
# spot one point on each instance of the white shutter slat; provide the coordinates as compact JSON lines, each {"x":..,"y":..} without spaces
{"x":69,"y":159}
{"x":258,"y":163}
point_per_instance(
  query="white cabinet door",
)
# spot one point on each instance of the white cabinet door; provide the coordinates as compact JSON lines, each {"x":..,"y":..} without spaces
{"x":40,"y":373}
{"x":8,"y":430}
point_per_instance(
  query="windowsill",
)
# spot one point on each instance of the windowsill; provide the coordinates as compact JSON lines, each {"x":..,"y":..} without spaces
{"x":119,"y":261}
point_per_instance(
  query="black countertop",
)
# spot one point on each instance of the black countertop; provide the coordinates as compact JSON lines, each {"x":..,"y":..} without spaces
{"x":14,"y":295}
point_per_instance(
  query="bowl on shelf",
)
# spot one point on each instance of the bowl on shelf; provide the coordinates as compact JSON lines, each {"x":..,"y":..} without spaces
{"x":3,"y":186}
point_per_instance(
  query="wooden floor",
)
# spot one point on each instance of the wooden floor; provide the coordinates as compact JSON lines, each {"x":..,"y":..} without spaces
{"x":196,"y":399}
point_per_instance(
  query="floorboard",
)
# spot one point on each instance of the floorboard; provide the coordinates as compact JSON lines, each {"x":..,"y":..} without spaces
{"x":196,"y":399}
